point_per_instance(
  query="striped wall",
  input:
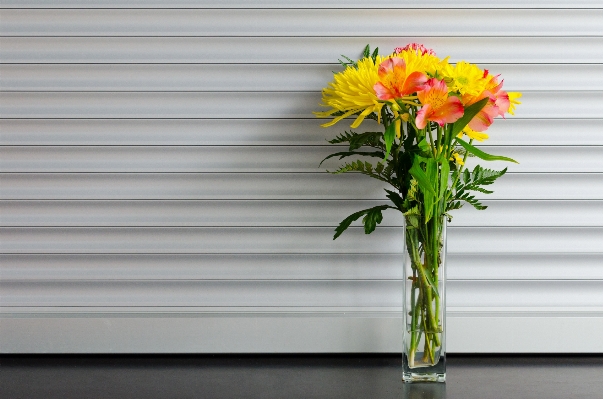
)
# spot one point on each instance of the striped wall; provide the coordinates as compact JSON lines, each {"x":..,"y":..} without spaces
{"x":160,"y":188}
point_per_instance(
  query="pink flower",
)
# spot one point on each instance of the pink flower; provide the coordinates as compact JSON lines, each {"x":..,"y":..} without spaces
{"x":394,"y":82}
{"x":415,"y":47}
{"x":437,"y":106}
{"x":484,"y":117}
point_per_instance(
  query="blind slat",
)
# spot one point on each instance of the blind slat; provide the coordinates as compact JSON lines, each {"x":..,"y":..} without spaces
{"x":535,"y":104}
{"x":510,"y":131}
{"x":585,"y":186}
{"x":255,"y":77}
{"x":297,"y":50}
{"x":482,"y":240}
{"x":322,"y":294}
{"x":461,"y":266}
{"x":280,"y":213}
{"x":300,"y":22}
{"x":267,"y":4}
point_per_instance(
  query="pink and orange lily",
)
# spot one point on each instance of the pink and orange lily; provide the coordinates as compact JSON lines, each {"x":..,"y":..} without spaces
{"x":500,"y":102}
{"x":437,"y":105}
{"x":394,"y":82}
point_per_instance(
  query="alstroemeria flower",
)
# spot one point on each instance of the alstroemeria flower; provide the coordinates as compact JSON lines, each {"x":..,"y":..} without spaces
{"x":500,"y":97}
{"x":500,"y":102}
{"x":485,"y":117}
{"x":394,"y":82}
{"x":437,"y":106}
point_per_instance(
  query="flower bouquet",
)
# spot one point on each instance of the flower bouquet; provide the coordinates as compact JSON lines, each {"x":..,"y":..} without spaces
{"x":431,"y":112}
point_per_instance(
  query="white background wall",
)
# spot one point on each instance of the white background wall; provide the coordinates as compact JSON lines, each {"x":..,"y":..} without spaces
{"x":160,"y":189}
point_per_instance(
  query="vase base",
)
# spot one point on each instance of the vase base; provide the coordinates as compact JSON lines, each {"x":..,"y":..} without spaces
{"x":423,"y":377}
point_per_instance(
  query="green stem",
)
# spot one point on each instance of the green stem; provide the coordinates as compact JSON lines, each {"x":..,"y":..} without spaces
{"x":458,"y":175}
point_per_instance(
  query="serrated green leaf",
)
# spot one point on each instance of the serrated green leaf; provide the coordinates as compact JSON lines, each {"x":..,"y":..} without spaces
{"x":396,"y":199}
{"x":367,"y":51}
{"x":375,"y":54}
{"x":466,"y":176}
{"x":344,"y":154}
{"x":372,"y":220}
{"x":368,"y":138}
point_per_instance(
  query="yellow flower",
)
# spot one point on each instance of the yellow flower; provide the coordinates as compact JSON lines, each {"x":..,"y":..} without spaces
{"x":457,"y":158}
{"x":472,"y":134}
{"x":417,"y":61}
{"x":466,"y":78}
{"x":352,"y":92}
{"x":513,"y":96}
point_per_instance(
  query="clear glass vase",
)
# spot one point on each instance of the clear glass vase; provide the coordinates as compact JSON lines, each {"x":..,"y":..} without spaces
{"x":424,"y":353}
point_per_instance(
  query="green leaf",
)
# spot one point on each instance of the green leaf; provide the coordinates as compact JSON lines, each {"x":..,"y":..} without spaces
{"x":388,"y":137}
{"x":480,"y":154}
{"x":343,"y":154}
{"x":367,"y":51}
{"x":350,"y":62}
{"x":469,"y":113}
{"x":431,"y":170}
{"x":417,"y":172}
{"x":372,"y":217}
{"x":444,"y":176}
{"x":375,"y":54}
{"x":424,"y":146}
{"x":371,"y":139}
{"x":396,"y":199}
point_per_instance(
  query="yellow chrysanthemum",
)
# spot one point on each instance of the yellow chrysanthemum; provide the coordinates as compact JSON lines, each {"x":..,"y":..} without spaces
{"x":513,"y":96}
{"x":472,"y":134}
{"x":351,"y":92}
{"x":466,"y":78}
{"x":416,"y":61}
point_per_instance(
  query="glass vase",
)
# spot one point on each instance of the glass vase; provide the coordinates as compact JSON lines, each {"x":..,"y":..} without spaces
{"x":424,"y":353}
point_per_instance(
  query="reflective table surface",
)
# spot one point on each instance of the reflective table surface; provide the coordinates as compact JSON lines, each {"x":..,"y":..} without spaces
{"x":295,"y":376}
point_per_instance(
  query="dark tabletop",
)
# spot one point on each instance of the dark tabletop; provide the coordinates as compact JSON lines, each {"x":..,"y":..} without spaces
{"x":295,"y":376}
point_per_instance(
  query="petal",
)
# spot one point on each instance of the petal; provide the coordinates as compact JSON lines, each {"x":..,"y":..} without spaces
{"x":340,"y":117}
{"x":422,"y":116}
{"x":472,"y":134}
{"x":449,"y":112}
{"x":481,"y":121}
{"x":360,"y":118}
{"x":414,"y":82}
{"x":502,"y":102}
{"x":382,"y":92}
{"x":388,"y":65}
{"x":513,"y":96}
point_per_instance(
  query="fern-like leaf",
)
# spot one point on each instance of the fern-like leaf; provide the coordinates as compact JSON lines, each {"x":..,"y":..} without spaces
{"x":344,"y":154}
{"x":365,"y":168}
{"x":372,"y":217}
{"x":473,"y":181}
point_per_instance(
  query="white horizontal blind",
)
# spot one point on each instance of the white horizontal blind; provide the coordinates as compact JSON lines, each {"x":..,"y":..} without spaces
{"x":160,"y":189}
